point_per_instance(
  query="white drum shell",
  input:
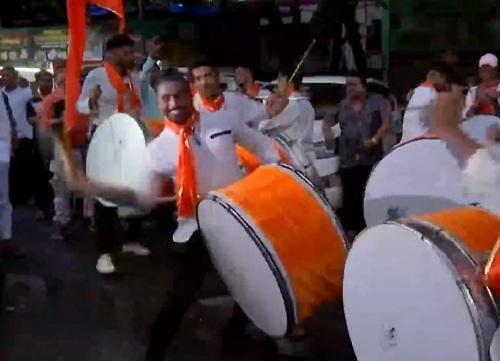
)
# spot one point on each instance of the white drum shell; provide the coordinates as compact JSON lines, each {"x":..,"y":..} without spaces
{"x":422,"y":176}
{"x":411,"y":293}
{"x":117,"y":155}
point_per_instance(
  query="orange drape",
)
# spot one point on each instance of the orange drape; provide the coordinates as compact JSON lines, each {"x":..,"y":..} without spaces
{"x":121,"y":89}
{"x":77,"y":11}
{"x":185,"y":178}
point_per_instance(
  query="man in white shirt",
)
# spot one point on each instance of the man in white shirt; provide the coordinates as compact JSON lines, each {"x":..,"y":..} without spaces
{"x":21,"y":170}
{"x":416,"y":117}
{"x":245,"y":80}
{"x":209,"y":98}
{"x":483,"y":99}
{"x":107,"y":90}
{"x":211,"y":142}
{"x":296,"y":121}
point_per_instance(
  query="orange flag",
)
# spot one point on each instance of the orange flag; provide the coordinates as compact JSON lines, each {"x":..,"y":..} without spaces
{"x":77,"y":13}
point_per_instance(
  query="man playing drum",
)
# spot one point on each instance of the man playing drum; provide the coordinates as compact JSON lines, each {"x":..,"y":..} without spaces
{"x":296,"y":120}
{"x":109,"y":89}
{"x":198,"y":151}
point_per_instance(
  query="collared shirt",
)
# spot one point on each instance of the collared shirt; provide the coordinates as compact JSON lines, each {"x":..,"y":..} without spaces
{"x":246,"y":110}
{"x":295,"y":122}
{"x":213,"y":146}
{"x":19,"y":99}
{"x":472,"y":97}
{"x":108,"y":102}
{"x":416,"y":118}
{"x":361,"y":126}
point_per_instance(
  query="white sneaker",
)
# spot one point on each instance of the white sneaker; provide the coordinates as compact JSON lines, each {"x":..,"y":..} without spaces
{"x":105,"y":264}
{"x":136,"y":249}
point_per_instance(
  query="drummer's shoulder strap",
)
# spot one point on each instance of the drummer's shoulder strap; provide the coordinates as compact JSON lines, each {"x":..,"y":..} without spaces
{"x":9,"y":112}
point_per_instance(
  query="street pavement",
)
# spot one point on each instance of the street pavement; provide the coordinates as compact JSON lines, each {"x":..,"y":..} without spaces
{"x":57,"y":308}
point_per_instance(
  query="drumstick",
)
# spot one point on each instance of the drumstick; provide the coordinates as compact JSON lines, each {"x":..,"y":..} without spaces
{"x":302,"y":60}
{"x":57,"y":128}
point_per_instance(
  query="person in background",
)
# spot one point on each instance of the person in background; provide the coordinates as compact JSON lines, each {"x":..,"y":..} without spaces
{"x":7,"y":141}
{"x":22,"y":167}
{"x":416,"y":117}
{"x":107,"y":90}
{"x":156,"y":61}
{"x":364,"y":121}
{"x":52,"y":110}
{"x":245,"y":80}
{"x":209,"y":97}
{"x":42,"y":190}
{"x":483,"y":99}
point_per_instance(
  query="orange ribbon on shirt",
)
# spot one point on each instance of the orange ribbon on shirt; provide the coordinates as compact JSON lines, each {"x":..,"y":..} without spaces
{"x":121,"y":88}
{"x":186,"y":182}
{"x":212,"y":105}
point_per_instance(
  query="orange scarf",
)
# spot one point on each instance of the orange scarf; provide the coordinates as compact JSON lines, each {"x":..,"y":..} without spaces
{"x":427,"y":84}
{"x":212,"y":105}
{"x":186,"y":184}
{"x":121,"y":88}
{"x":254,"y":90}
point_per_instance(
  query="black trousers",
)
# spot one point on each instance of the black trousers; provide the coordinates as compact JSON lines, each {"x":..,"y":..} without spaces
{"x":354,"y":181}
{"x":21,"y":176}
{"x":189,"y":273}
{"x":109,"y":232}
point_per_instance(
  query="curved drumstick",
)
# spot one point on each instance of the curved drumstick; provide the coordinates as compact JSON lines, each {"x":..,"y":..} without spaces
{"x":302,"y":60}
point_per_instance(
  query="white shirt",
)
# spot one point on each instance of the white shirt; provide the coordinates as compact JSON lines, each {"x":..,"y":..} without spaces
{"x":213,"y":147}
{"x":247,"y":110}
{"x":108,"y":102}
{"x":416,"y":119}
{"x":470,"y":99}
{"x":18,"y":99}
{"x":295,"y":122}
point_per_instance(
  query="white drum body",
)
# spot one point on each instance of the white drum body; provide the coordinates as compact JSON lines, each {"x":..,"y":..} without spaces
{"x":412,"y":293}
{"x":117,"y":155}
{"x":420,"y":176}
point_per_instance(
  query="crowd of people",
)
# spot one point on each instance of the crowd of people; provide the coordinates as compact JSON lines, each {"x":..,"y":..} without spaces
{"x":195,"y":151}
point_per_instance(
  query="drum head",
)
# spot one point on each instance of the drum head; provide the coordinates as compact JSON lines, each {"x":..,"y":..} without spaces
{"x":251,"y":272}
{"x":402,"y":300}
{"x":418,"y":177}
{"x":117,"y":154}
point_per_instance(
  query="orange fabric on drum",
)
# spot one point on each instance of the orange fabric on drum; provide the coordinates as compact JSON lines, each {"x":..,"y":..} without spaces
{"x":476,"y":228}
{"x":301,"y":232}
{"x":251,"y":162}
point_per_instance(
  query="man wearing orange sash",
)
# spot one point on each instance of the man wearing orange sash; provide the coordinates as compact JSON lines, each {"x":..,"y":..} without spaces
{"x":209,"y":97}
{"x":107,"y":90}
{"x":197,"y":151}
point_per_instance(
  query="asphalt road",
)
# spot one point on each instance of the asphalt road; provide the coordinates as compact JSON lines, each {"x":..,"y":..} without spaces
{"x":57,"y":308}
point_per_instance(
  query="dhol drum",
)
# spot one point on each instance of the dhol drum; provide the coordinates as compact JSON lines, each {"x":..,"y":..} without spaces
{"x":420,"y":176}
{"x":277,"y":244}
{"x":290,"y":153}
{"x":116,"y":155}
{"x":413,"y":288}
